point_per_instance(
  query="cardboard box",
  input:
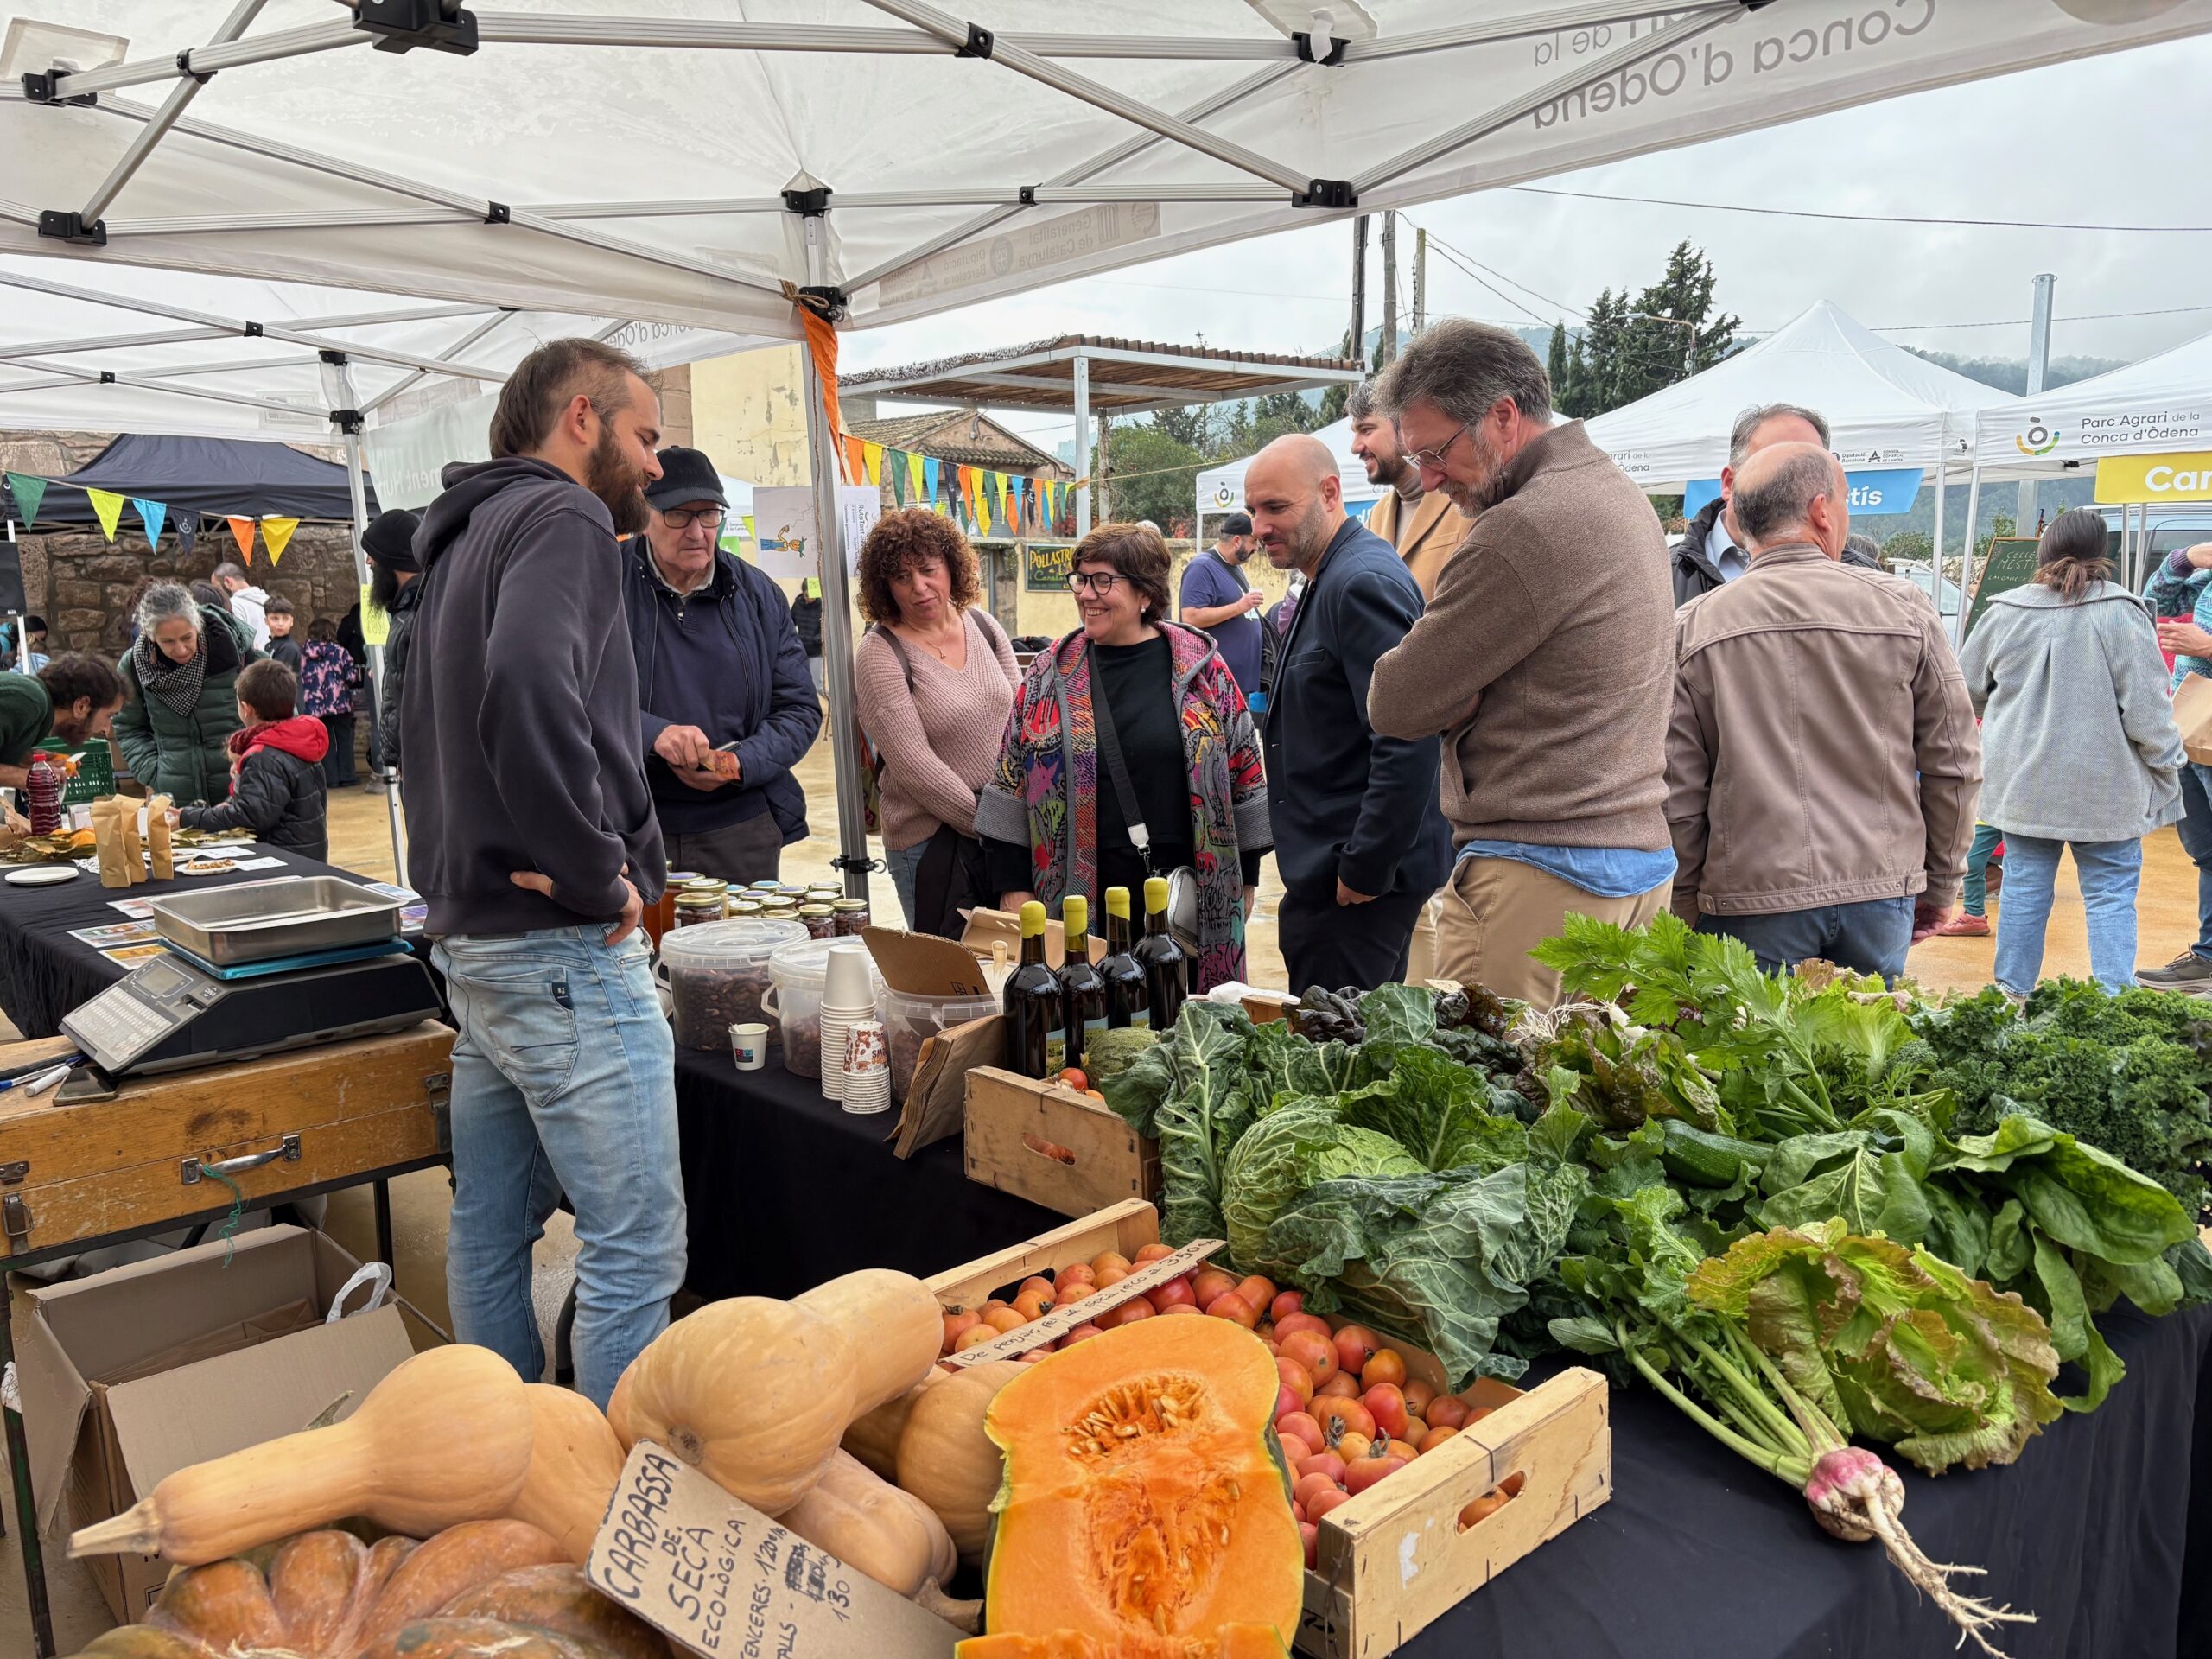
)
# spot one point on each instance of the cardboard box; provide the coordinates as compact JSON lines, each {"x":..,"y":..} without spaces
{"x":135,"y":1373}
{"x":987,"y":927}
{"x":1052,"y":1145}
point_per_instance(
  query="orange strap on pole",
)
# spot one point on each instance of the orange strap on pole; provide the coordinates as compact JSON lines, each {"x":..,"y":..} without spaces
{"x":822,"y":342}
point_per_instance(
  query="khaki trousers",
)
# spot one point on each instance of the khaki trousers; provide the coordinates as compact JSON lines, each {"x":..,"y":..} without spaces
{"x":1420,"y":958}
{"x":1497,"y":910}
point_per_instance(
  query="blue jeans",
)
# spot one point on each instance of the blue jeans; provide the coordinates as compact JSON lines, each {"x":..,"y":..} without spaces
{"x":905,"y":864}
{"x":2197,"y":841}
{"x":563,"y":1081}
{"x":2109,"y":871}
{"x":1987,"y":840}
{"x":1868,"y":938}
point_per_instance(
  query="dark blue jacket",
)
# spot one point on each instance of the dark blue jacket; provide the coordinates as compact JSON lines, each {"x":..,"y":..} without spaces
{"x":762,"y":695}
{"x":1345,"y":804}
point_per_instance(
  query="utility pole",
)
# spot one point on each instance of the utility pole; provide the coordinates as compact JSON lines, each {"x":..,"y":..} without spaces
{"x":1421,"y":279}
{"x":2038,"y":367}
{"x":1390,"y":286}
{"x":1358,"y":352}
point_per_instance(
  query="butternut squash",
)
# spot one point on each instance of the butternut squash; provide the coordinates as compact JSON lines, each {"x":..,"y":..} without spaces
{"x":576,"y":1463}
{"x":873,"y":1436}
{"x":946,"y":1459}
{"x":874,"y":1528}
{"x":895,"y":1327}
{"x":444,"y":1438}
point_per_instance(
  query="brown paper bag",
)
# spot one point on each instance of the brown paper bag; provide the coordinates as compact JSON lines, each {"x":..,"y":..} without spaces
{"x":2193,"y":715}
{"x":107,"y":841}
{"x":160,"y":850}
{"x":134,"y":847}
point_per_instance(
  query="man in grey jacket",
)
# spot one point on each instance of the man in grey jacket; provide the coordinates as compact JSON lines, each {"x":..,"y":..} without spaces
{"x":1823,"y":761}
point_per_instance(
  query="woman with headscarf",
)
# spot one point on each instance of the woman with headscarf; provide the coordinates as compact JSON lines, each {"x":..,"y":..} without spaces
{"x":182,"y":678}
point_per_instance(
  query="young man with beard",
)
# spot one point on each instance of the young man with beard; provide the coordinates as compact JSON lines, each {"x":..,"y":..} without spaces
{"x":1422,"y":524}
{"x":1546,"y":662}
{"x":1359,"y":839}
{"x":536,"y":849}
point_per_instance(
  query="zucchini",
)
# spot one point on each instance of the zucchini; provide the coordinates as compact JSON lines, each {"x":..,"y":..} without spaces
{"x":1701,"y":1158}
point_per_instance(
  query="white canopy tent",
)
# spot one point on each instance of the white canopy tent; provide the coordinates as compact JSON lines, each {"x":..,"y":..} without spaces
{"x":1221,"y":489}
{"x":2161,"y":405}
{"x":884,"y":158}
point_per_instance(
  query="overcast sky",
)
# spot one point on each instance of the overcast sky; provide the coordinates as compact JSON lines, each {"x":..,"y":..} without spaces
{"x":2118,"y":139}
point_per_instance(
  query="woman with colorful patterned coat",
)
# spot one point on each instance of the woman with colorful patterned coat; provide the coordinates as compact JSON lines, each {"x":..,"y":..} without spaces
{"x":1050,"y":818}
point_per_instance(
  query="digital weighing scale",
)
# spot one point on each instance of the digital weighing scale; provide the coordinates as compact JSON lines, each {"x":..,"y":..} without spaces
{"x":256,"y":968}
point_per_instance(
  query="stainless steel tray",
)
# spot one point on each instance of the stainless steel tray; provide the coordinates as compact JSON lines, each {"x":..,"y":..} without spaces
{"x":259,"y":921}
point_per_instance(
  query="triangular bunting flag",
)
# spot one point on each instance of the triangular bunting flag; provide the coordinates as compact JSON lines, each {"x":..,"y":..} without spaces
{"x":855,"y":465}
{"x":930,"y":466}
{"x":277,"y":533}
{"x":914,"y":478}
{"x":751,"y":530}
{"x":187,"y":532}
{"x":872,"y":458}
{"x":242,"y":533}
{"x":107,"y":507}
{"x":29,"y":492}
{"x":1007,"y":493}
{"x":152,"y":514}
{"x":895,"y":466}
{"x":986,"y":511}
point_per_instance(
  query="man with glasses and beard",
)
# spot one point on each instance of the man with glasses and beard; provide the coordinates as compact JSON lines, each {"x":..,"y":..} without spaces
{"x":1546,"y":661}
{"x":726,"y":698}
{"x":535,"y":846}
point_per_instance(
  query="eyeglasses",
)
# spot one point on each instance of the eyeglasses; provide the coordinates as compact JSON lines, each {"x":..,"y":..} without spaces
{"x":1433,"y":458}
{"x":684,"y":517}
{"x":1096,"y":582}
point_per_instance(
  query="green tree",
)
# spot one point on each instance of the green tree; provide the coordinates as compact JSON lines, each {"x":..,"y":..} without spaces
{"x":1560,"y":367}
{"x":1192,"y":425}
{"x":1632,"y":346}
{"x":1151,"y":475}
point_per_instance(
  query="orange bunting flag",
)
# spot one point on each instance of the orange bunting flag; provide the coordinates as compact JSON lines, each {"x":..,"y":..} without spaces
{"x":242,"y":533}
{"x":276,"y":535}
{"x":856,"y":463}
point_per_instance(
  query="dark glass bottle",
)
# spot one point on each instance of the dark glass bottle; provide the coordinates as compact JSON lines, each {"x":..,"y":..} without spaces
{"x":1032,"y":1002}
{"x":1083,"y":989}
{"x":1127,"y":1003}
{"x":1166,"y":964}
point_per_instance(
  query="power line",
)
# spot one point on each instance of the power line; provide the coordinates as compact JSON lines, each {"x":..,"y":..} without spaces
{"x":1864,"y":219}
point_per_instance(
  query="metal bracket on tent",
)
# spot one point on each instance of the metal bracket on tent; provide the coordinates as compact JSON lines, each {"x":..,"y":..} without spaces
{"x":1028,"y":195}
{"x":184,"y":68}
{"x":107,"y":377}
{"x":69,"y":226}
{"x":336,"y":358}
{"x":253,"y":331}
{"x":38,"y":88}
{"x":827,"y":299}
{"x":1306,"y":49}
{"x":402,"y":25}
{"x":347,"y":420}
{"x":497,"y":212}
{"x":812,"y":203}
{"x":1326,"y":192}
{"x":981,"y":43}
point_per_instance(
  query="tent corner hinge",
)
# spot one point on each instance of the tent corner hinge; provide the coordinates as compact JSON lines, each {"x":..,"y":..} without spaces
{"x":107,"y":377}
{"x":1326,"y":192}
{"x":39,"y":88}
{"x":402,"y":25}
{"x":69,"y":226}
{"x":253,"y":331}
{"x":1336,"y":54}
{"x":184,"y":68}
{"x":497,"y":212}
{"x":827,"y":301}
{"x":1028,"y":195}
{"x":336,"y":358}
{"x":808,"y":204}
{"x":981,"y":43}
{"x":347,"y":421}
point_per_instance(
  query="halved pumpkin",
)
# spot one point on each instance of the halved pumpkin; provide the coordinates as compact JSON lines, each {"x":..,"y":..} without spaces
{"x":1144,"y":1514}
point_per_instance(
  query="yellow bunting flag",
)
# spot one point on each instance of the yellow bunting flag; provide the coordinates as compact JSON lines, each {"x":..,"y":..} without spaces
{"x":242,"y":533}
{"x":914,"y":490}
{"x":872,"y":454}
{"x":277,"y":534}
{"x":107,"y":507}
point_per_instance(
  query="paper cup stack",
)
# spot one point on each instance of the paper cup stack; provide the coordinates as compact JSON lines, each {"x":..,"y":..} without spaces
{"x":848,"y":997}
{"x":866,"y":1083}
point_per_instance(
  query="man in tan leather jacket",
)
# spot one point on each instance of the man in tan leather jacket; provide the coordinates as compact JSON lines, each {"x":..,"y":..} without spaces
{"x":1822,"y":762}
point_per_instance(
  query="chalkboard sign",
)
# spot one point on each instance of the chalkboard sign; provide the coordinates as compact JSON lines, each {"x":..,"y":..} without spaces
{"x":2008,"y":563}
{"x":1048,"y":566}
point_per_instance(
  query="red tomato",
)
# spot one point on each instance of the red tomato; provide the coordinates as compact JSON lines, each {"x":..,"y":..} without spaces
{"x":1321,"y":1502}
{"x":1387,"y":1408}
{"x":1356,"y":1345}
{"x":1033,"y":1305}
{"x":1043,"y":1286}
{"x":1351,"y":1446}
{"x":1072,"y":1078}
{"x":1077,"y":1273}
{"x":1174,"y":1292}
{"x":1436,"y":1437}
{"x":1110,"y":1276}
{"x":1210,"y":1282}
{"x":1106,"y":1259}
{"x":1418,"y":1394}
{"x":1180,"y":1307}
{"x":1300,"y":1435}
{"x":1355,"y":1417}
{"x":1230,"y":1305}
{"x":1297,"y":1379}
{"x":1006,"y":1319}
{"x":1362,"y":1472}
{"x":1260,"y":1292}
{"x":1286,"y":1400}
{"x":1343,"y":1386}
{"x":1311,"y":1534}
{"x":1325,"y":1463}
{"x":1387,"y":1366}
{"x":1404,"y":1451}
{"x":1447,"y":1411}
{"x":1288,"y":1325}
{"x":1316,"y":1353}
{"x":1309,"y":1486}
{"x":1081,"y":1333}
{"x":973,"y":1335}
{"x":955,"y":1324}
{"x":1128,"y":1314}
{"x":1285,"y":1304}
{"x":1154,"y":1253}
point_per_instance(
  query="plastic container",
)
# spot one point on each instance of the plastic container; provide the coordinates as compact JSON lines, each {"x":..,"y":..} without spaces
{"x":796,"y":974}
{"x":717,"y":975}
{"x":909,"y":1020}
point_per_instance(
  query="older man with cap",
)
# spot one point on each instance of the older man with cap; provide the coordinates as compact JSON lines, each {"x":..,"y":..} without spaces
{"x":1823,"y":761}
{"x":728,"y":704}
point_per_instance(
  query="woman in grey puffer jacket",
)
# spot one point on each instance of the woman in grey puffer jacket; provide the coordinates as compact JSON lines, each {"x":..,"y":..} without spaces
{"x":2079,"y":746}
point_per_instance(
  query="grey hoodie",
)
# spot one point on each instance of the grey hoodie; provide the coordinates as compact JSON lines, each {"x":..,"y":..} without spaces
{"x":2078,"y":740}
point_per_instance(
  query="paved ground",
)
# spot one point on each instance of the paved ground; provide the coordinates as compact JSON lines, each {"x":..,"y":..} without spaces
{"x":360,"y":841}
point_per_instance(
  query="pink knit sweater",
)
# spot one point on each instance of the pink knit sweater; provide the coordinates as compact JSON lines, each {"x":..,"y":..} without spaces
{"x":940,"y":741}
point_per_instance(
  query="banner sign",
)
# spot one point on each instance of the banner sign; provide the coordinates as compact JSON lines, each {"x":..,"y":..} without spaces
{"x":1876,"y":491}
{"x":2130,"y":478}
{"x":1048,"y":566}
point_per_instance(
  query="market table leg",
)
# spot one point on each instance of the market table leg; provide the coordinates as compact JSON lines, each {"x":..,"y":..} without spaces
{"x":19,"y":1466}
{"x":380,"y":1198}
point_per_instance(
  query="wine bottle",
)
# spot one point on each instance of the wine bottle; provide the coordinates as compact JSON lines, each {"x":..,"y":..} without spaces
{"x":1166,"y":964}
{"x":1128,"y":1003}
{"x":1032,"y":1002}
{"x":1083,"y":989}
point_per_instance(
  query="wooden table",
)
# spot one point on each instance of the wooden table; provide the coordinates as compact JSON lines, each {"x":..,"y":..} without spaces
{"x":77,"y":1175}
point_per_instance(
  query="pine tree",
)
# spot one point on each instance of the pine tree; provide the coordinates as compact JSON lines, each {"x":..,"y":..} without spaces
{"x":1561,"y":369}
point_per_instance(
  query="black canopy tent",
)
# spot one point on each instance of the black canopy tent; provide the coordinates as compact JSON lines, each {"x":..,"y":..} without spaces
{"x":211,"y":478}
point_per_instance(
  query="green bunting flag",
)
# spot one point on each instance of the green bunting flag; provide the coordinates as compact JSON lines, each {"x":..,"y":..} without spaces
{"x":29,"y":492}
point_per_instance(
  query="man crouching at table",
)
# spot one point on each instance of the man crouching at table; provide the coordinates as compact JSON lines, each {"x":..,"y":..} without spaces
{"x":532,"y":834}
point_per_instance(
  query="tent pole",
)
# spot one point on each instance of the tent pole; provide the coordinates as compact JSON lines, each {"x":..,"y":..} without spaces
{"x":1966,"y":568}
{"x":1082,"y":375}
{"x":179,"y":97}
{"x":359,"y":492}
{"x":1936,"y":554}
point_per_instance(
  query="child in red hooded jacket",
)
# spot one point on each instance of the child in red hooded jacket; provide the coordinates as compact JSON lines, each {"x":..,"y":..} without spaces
{"x":276,"y":788}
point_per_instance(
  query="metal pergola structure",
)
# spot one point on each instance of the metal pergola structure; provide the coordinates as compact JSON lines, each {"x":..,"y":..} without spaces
{"x":1084,"y":375}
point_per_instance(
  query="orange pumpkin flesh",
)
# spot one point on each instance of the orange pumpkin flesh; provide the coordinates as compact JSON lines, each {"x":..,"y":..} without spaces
{"x":1144,"y":1513}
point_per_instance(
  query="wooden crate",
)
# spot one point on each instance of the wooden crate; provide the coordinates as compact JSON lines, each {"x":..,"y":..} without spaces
{"x":1393,"y":1560}
{"x":75,"y":1170}
{"x":1052,"y":1145}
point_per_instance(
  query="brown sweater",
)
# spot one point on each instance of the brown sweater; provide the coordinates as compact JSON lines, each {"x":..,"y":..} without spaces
{"x":1546,"y":659}
{"x":940,"y":740}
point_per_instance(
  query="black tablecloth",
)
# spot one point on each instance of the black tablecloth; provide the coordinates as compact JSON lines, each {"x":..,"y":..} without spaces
{"x":44,"y":973}
{"x":786,"y":1189}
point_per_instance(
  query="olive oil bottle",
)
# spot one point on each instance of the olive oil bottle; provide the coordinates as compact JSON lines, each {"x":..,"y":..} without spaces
{"x":1083,"y":989}
{"x":1035,"y":1016}
{"x":1127,"y":1003}
{"x":1166,"y":964}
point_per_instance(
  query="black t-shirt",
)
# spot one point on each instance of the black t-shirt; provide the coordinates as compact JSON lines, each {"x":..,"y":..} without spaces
{"x":1138,"y":683}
